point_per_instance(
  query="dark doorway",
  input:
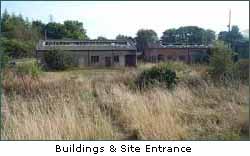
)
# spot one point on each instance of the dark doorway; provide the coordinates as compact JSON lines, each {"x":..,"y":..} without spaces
{"x":107,"y":61}
{"x":130,"y":60}
{"x":160,"y":58}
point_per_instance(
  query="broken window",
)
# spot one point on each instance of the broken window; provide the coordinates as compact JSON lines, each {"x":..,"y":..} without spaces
{"x":160,"y":58}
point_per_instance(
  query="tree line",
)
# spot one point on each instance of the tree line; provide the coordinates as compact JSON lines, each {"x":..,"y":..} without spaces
{"x":19,"y":36}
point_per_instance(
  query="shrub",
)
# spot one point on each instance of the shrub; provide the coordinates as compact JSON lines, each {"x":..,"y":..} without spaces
{"x":58,"y":60}
{"x":176,"y":66}
{"x":17,"y":49}
{"x":157,"y":75}
{"x":29,"y":68}
{"x":221,"y":63}
{"x":4,"y":59}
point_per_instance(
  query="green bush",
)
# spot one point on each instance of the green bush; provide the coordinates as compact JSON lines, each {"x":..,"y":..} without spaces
{"x":4,"y":59}
{"x":221,"y":64}
{"x":157,"y":75}
{"x":58,"y":60}
{"x":176,"y":66}
{"x":29,"y":68}
{"x":17,"y":49}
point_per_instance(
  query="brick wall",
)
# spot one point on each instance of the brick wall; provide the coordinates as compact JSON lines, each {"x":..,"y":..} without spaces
{"x":181,"y":54}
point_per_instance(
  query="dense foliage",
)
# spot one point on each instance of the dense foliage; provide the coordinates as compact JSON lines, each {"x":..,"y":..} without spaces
{"x":124,"y":37}
{"x":221,"y":62}
{"x":17,"y":49}
{"x":157,"y":75}
{"x":231,"y":36}
{"x":144,"y":38}
{"x":58,"y":60}
{"x":3,"y":61}
{"x":20,"y":36}
{"x":29,"y":68}
{"x":70,"y":29}
{"x":236,"y":41}
{"x":188,"y":35}
{"x":16,"y":27}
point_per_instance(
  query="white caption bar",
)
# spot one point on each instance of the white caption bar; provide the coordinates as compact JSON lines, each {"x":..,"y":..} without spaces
{"x":125,"y":148}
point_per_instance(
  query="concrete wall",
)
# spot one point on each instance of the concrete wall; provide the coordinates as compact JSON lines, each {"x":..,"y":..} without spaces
{"x":83,"y":58}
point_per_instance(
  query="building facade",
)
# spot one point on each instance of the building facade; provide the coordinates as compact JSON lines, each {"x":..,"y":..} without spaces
{"x":187,"y":53}
{"x":115,"y":53}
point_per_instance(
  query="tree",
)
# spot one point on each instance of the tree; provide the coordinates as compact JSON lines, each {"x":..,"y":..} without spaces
{"x":221,"y":63}
{"x":39,"y":27}
{"x":4,"y":21}
{"x":55,"y":30}
{"x":17,"y":49}
{"x":20,"y":36}
{"x":75,"y":30}
{"x":209,"y":36}
{"x":123,"y":37}
{"x":169,"y":36}
{"x":101,"y":38}
{"x":235,"y":40}
{"x":188,"y":35}
{"x":231,"y":37}
{"x":15,"y":27}
{"x":69,"y":29}
{"x":145,"y":38}
{"x":127,"y":38}
{"x":235,"y":35}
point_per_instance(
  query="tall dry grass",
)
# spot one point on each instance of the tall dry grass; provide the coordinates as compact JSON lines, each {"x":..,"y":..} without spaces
{"x":104,"y":105}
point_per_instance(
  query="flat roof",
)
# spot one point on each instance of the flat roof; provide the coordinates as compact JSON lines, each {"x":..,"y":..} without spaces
{"x":178,"y":46}
{"x":86,"y":45}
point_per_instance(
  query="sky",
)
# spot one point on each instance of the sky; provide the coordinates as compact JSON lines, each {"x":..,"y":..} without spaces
{"x":110,"y":18}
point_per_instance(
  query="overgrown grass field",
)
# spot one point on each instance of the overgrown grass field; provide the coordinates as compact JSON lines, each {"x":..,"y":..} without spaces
{"x":98,"y":104}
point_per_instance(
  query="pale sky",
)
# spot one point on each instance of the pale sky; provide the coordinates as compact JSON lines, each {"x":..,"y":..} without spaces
{"x":109,"y":18}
